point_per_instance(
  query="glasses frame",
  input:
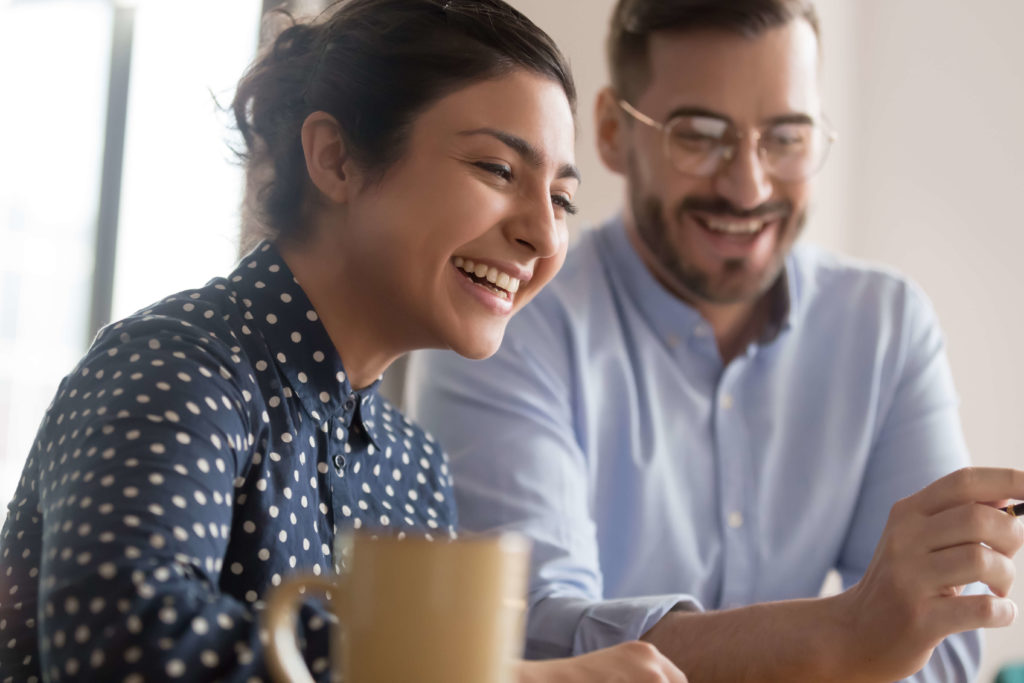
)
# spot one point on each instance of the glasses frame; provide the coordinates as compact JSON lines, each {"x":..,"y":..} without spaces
{"x":730,"y":150}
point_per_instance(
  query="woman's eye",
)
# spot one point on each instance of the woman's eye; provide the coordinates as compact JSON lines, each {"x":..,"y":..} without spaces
{"x":501,"y":170}
{"x":564,"y":203}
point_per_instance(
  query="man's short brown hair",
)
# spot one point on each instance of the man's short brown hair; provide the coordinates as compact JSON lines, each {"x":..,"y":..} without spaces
{"x":633,"y":22}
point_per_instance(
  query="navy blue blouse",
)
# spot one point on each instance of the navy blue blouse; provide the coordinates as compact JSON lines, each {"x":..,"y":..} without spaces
{"x":203,"y":449}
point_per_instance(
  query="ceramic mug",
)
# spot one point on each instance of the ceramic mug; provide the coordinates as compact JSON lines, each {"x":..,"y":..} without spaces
{"x":411,"y":610}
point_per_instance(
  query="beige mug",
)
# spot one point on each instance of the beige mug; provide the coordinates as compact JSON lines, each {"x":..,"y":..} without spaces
{"x":411,"y":610}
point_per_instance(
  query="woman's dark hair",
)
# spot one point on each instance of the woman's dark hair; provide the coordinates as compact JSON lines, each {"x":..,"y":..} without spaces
{"x":374,"y":65}
{"x":633,"y":22}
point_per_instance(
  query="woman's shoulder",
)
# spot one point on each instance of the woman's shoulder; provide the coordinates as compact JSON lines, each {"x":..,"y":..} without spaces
{"x":205,"y":312}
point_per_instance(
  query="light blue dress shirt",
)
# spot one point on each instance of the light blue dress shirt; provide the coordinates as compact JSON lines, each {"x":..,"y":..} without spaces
{"x":652,"y":477}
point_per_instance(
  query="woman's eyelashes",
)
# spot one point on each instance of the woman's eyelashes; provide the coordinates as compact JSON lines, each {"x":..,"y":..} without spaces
{"x":564,"y":203}
{"x":504,"y":171}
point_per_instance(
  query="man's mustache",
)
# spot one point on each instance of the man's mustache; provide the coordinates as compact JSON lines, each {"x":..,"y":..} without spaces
{"x":722,"y":207}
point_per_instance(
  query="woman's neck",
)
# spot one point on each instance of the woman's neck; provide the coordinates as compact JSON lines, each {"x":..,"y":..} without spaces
{"x":353,"y":321}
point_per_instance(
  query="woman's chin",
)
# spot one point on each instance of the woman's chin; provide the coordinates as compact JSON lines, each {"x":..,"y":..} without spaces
{"x":483,"y":344}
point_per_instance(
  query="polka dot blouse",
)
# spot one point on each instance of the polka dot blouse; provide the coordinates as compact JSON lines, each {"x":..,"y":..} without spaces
{"x":203,"y":449}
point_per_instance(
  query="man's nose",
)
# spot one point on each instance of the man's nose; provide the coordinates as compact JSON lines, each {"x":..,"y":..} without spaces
{"x":743,"y":179}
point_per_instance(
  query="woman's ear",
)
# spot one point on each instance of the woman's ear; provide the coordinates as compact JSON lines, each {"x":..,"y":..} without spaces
{"x":328,"y":162}
{"x":610,"y":143}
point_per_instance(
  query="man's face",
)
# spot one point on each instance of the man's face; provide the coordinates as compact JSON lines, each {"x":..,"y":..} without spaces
{"x":722,"y":238}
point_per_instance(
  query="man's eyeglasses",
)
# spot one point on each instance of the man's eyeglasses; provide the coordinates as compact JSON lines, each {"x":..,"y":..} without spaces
{"x":790,"y":151}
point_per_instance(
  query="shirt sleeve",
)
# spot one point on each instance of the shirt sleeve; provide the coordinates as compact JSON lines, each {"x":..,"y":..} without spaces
{"x":136,"y":465}
{"x":919,"y":440}
{"x":508,"y":425}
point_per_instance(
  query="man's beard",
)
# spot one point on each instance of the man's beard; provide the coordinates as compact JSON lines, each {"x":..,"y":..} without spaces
{"x":728,"y":286}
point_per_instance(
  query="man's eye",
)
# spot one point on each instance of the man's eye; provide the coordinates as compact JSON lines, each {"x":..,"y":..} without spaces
{"x":695,"y":142}
{"x":564,"y":203}
{"x":787,"y":137}
{"x":501,"y":170}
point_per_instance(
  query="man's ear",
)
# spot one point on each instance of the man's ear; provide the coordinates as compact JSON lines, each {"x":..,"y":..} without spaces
{"x":610,"y":131}
{"x":328,"y":162}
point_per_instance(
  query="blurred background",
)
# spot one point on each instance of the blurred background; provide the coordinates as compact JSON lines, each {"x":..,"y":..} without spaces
{"x":118,"y":184}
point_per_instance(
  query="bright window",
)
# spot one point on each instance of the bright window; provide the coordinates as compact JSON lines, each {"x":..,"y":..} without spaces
{"x":181,"y":188}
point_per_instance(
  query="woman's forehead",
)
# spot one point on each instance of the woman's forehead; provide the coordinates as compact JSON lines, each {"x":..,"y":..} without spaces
{"x":531,"y":107}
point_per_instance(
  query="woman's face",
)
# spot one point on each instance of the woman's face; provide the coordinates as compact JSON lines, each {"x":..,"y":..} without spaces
{"x":470,"y":223}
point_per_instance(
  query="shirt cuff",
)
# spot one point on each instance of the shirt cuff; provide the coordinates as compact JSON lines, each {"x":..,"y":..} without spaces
{"x":564,"y":626}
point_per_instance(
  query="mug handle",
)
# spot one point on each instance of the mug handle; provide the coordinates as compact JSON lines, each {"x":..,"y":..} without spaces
{"x":284,"y":659}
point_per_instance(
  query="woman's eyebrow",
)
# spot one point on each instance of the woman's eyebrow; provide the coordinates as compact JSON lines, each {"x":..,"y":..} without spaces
{"x":524,"y":149}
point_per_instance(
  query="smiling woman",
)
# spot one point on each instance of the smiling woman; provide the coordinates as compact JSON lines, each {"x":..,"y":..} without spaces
{"x":413,"y":162}
{"x":486,"y":175}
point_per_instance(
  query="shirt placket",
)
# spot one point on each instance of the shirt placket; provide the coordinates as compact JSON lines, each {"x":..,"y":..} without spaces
{"x":339,"y":465}
{"x":736,"y":489}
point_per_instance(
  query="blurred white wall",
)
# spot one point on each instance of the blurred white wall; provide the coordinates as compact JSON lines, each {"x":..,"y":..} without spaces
{"x":926,"y":177}
{"x":936,"y":188}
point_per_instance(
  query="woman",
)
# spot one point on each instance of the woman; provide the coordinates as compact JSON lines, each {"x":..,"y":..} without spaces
{"x":419,"y":156}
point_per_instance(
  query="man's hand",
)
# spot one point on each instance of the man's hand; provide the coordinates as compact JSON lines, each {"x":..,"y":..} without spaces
{"x":625,"y":663}
{"x":935,"y":542}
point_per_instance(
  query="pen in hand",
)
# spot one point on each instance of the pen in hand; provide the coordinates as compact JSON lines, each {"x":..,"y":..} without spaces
{"x":1014,"y":510}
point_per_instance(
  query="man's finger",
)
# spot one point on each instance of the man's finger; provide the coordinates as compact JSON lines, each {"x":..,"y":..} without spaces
{"x":966,"y":612}
{"x":965,"y":564}
{"x":973,"y":523}
{"x":969,"y":485}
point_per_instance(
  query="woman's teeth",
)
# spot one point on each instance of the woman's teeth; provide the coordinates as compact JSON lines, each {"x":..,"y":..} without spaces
{"x":736,"y":227}
{"x":494,"y":276}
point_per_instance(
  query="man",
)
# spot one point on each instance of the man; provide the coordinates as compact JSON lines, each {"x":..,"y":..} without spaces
{"x":699,"y":419}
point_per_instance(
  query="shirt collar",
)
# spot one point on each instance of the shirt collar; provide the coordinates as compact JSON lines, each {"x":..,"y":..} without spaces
{"x":279,"y":311}
{"x":672,"y":318}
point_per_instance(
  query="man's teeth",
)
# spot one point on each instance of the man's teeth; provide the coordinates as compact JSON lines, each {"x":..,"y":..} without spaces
{"x":489,"y":273}
{"x":736,"y":227}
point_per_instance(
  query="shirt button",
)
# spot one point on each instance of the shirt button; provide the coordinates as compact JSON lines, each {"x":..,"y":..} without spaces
{"x":339,"y":462}
{"x":735,"y":519}
{"x":350,"y":403}
{"x":726,"y":401}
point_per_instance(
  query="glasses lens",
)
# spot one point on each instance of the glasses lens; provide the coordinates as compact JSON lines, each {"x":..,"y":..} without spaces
{"x":696,"y":144}
{"x":794,"y":151}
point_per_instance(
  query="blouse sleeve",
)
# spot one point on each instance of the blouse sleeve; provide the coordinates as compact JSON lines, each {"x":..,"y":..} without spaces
{"x":135,"y":467}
